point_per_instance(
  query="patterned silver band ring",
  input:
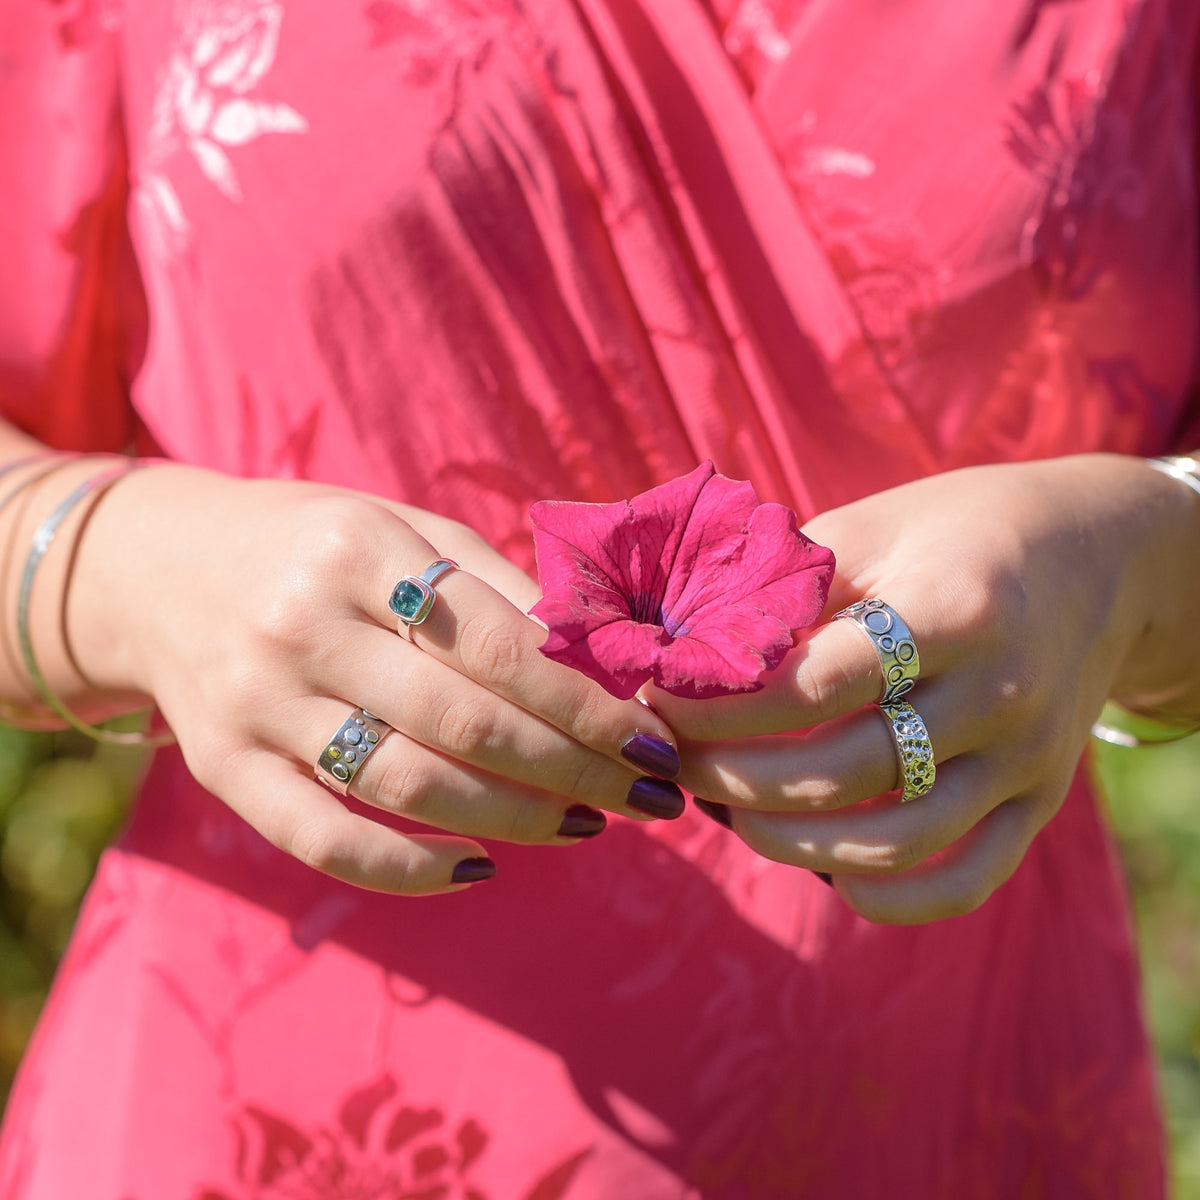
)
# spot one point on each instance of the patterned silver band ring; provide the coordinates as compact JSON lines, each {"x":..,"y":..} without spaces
{"x":893,"y":643}
{"x":914,"y":752}
{"x":349,"y":748}
{"x":412,"y":598}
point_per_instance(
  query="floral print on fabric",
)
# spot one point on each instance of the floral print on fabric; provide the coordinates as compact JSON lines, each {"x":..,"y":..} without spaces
{"x":563,"y":248}
{"x":379,"y":1148}
{"x":1082,"y":151}
{"x":205,"y":105}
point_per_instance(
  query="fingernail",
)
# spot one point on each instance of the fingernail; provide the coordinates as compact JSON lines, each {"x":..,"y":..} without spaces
{"x":718,"y":812}
{"x":580,"y":821}
{"x":824,"y":877}
{"x":652,"y":754}
{"x":473,"y":870}
{"x":656,"y":798}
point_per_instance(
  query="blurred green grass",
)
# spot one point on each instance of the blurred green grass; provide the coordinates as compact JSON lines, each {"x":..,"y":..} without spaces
{"x":1154,"y":798}
{"x":63,"y":798}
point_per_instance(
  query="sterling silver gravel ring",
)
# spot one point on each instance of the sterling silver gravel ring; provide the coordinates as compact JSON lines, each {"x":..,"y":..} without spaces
{"x":412,"y":598}
{"x":349,"y":748}
{"x":914,"y":752}
{"x":893,"y":643}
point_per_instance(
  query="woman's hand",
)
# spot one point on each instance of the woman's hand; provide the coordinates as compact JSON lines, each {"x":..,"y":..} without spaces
{"x":256,"y":616}
{"x":1033,"y":592}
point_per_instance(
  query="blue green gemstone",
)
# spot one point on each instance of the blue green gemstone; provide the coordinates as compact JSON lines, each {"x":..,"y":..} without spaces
{"x":410,"y":601}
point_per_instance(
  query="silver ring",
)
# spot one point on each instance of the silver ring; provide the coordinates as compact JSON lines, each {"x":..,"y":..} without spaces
{"x":412,"y":598}
{"x":914,"y":751}
{"x":349,"y":748}
{"x":893,"y":643}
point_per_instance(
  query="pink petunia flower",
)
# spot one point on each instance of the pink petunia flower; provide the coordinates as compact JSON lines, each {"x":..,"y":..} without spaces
{"x":694,"y":584}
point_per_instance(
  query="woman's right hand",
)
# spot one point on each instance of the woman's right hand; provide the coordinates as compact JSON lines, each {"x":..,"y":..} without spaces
{"x":255,"y":614}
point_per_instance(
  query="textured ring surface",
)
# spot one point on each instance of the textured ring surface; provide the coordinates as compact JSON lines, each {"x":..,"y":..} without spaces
{"x":914,"y":752}
{"x":893,"y":643}
{"x":412,"y":598}
{"x":349,"y":748}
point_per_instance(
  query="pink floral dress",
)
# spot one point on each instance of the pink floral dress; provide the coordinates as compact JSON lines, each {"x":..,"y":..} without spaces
{"x":474,"y":253}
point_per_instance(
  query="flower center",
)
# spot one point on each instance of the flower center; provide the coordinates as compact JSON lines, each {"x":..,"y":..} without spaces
{"x":646,"y":607}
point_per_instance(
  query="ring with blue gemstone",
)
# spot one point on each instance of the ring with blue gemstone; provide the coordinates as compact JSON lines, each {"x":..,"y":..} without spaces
{"x":412,"y":598}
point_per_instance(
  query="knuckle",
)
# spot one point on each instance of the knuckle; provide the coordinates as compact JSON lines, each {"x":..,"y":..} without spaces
{"x":853,"y":783}
{"x":286,"y":619}
{"x":339,"y":535}
{"x":894,"y":858}
{"x":466,"y":729}
{"x":824,"y":792}
{"x":401,"y":877}
{"x":492,"y":649}
{"x":828,"y":692}
{"x":587,"y":715}
{"x":584,"y":778}
{"x":531,"y":824}
{"x":313,"y":844}
{"x":692,"y":720}
{"x":990,"y":604}
{"x":400,"y":784}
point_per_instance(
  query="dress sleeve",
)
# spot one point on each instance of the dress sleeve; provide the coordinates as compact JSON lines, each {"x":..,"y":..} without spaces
{"x":72,"y":312}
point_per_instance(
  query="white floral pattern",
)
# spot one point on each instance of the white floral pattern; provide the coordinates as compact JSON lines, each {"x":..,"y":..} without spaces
{"x":203,"y":104}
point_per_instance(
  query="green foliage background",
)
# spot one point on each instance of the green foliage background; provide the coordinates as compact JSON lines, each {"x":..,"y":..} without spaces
{"x":62,"y":799}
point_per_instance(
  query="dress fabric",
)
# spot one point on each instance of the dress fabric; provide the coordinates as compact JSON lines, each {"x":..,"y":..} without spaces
{"x":476,"y":253}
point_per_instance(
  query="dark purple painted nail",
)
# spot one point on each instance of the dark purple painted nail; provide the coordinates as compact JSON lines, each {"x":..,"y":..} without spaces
{"x":579,"y":821}
{"x":656,"y":798}
{"x":650,"y":753}
{"x":718,"y":812}
{"x":473,"y":870}
{"x":824,"y":877}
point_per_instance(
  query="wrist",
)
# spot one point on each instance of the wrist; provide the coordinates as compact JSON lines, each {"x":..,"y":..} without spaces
{"x":1159,"y":676}
{"x":129,"y":548}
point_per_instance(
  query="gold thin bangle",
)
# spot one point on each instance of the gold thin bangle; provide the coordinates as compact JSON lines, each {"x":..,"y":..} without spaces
{"x":42,"y":539}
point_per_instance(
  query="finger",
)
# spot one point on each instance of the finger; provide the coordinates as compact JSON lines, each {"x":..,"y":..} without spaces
{"x":957,"y":882}
{"x":402,"y":776}
{"x":308,"y":822}
{"x":457,"y":542}
{"x":838,"y":764}
{"x":478,"y":633}
{"x":446,"y":711}
{"x":883,"y":836}
{"x":832,"y":670}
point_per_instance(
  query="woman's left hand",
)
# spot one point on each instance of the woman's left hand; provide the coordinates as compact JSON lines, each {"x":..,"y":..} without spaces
{"x":1033,"y":592}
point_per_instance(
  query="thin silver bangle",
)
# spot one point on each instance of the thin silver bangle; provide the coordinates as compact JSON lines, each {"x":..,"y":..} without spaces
{"x":10,"y":713}
{"x":42,"y":539}
{"x":1181,"y":467}
{"x":1118,"y":726}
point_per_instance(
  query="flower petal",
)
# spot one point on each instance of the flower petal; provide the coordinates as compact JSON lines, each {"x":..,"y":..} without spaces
{"x":695,"y":584}
{"x":618,"y":654}
{"x":623,"y":550}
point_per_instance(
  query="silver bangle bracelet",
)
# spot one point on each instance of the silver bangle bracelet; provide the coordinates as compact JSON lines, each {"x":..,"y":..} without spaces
{"x":19,"y":717}
{"x":42,"y":539}
{"x":1120,"y":727}
{"x":1182,"y":467}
